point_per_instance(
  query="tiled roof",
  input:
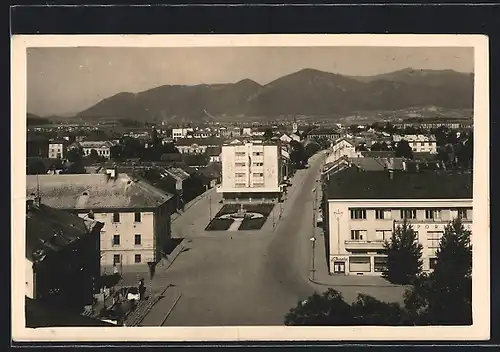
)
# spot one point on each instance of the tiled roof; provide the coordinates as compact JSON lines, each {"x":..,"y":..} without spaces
{"x":95,"y":191}
{"x":96,"y":144}
{"x":214,"y":151}
{"x":353,"y":183}
{"x":425,"y":156}
{"x":177,"y":173}
{"x":379,"y":154}
{"x":49,"y":229}
{"x":199,"y":141}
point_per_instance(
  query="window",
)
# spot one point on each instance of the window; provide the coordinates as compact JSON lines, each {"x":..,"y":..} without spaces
{"x":137,"y":258}
{"x":239,"y":153}
{"x":257,"y":153}
{"x":258,"y":184}
{"x":258,"y":164}
{"x":117,"y":259}
{"x":239,"y":174}
{"x":379,"y":264}
{"x":116,"y":217}
{"x":258,"y":174}
{"x":382,"y":214}
{"x":422,"y":144}
{"x":408,"y":214}
{"x":433,"y":240}
{"x":358,"y":213}
{"x":358,"y":235}
{"x":382,"y":235}
{"x":462,"y":213}
{"x":116,"y":240}
{"x":432,"y":214}
{"x":240,"y":185}
{"x":239,"y":164}
{"x":359,"y":264}
{"x":137,"y":240}
{"x":137,"y":216}
{"x":432,"y":263}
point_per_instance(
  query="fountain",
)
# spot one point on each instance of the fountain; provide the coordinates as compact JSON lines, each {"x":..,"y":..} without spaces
{"x":242,"y":214}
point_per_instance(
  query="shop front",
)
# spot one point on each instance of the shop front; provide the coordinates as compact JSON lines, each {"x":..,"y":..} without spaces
{"x":373,"y":265}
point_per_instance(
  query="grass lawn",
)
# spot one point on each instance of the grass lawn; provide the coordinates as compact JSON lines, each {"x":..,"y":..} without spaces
{"x":219,"y":224}
{"x":252,"y":224}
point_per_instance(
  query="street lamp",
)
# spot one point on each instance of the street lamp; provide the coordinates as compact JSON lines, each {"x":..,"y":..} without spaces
{"x":313,"y":242}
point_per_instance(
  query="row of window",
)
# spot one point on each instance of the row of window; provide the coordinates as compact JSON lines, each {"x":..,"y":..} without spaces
{"x":386,"y":214}
{"x":137,"y":217}
{"x":255,"y":174}
{"x":137,"y":240}
{"x":245,"y":164}
{"x":380,"y":235}
{"x":244,"y":153}
{"x":243,"y":185}
{"x":363,"y":264}
{"x":117,"y":259}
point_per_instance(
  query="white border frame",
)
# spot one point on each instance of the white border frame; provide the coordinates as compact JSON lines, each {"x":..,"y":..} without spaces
{"x":480,"y":330}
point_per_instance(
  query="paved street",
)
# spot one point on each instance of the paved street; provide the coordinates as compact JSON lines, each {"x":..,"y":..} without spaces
{"x":246,"y":277}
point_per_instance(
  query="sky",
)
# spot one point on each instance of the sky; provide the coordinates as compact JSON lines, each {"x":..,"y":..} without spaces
{"x":64,"y":81}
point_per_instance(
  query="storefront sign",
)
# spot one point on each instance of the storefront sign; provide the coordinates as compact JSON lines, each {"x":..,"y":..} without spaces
{"x":341,"y":259}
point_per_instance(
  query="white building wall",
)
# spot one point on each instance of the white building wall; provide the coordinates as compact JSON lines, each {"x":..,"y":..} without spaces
{"x":251,"y":168}
{"x":341,"y":247}
{"x":342,"y":149}
{"x":55,"y":150}
{"x":127,"y":228}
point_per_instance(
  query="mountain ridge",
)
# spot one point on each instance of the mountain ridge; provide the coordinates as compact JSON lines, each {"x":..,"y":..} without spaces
{"x":304,"y":92}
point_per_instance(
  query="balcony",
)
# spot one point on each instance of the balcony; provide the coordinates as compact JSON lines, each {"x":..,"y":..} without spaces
{"x":354,"y":244}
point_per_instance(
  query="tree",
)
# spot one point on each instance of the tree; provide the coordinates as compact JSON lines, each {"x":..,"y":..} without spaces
{"x":328,"y":308}
{"x":94,"y":157}
{"x":298,"y":155}
{"x":403,"y":150}
{"x":268,"y":133}
{"x":35,"y":166}
{"x":312,"y":148}
{"x":74,"y":155}
{"x":444,"y":297}
{"x":404,"y":255}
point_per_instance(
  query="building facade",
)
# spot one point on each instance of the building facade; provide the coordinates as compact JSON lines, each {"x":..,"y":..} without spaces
{"x":343,"y":147}
{"x":57,"y":149}
{"x":136,"y":215}
{"x":62,"y":257}
{"x":419,"y":143}
{"x":251,"y":170}
{"x":359,"y":220}
{"x":102,"y":148}
{"x":178,"y":133}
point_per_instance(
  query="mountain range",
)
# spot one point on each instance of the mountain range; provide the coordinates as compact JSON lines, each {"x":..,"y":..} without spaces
{"x":306,"y":92}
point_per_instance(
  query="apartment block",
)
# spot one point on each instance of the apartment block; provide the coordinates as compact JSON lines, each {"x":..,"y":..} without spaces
{"x":364,"y":207}
{"x":251,"y":171}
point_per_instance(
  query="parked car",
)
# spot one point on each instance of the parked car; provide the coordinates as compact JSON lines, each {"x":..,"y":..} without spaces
{"x":133,"y":294}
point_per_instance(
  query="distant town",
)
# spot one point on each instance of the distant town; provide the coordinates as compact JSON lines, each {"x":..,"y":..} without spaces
{"x":213,"y":223}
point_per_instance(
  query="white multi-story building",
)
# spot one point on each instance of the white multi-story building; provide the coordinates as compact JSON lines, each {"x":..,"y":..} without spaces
{"x":364,"y":207}
{"x":57,"y":149}
{"x":251,"y":170}
{"x":419,"y":143}
{"x":342,"y":148}
{"x":102,"y":148}
{"x":135,"y":214}
{"x":178,"y":133}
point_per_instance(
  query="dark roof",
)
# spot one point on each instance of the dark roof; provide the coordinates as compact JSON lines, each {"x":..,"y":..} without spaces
{"x":41,"y":315}
{"x":214,"y":151}
{"x":323,"y":131}
{"x":379,"y":154}
{"x":199,"y":141}
{"x":171,"y":157}
{"x":50,"y":230}
{"x":353,"y":183}
{"x":424,"y":156}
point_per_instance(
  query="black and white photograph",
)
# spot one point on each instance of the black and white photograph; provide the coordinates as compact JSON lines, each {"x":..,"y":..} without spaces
{"x":258,"y":187}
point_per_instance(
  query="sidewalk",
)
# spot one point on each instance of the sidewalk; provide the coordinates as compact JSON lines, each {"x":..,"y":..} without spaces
{"x":322,"y":277}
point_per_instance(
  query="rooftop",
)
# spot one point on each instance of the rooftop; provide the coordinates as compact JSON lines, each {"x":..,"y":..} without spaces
{"x":50,"y":230}
{"x":199,"y":141}
{"x":96,"y":144}
{"x":214,"y":151}
{"x":95,"y":191}
{"x":177,"y":173}
{"x":379,"y":154}
{"x":353,"y":183}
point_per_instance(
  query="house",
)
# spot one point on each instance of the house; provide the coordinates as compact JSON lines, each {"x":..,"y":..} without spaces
{"x":136,"y":214}
{"x":364,"y":207}
{"x":343,"y":147}
{"x":102,"y":148}
{"x":179,"y":133}
{"x":197,"y":146}
{"x":214,"y":154}
{"x":57,"y":148}
{"x":328,"y":133}
{"x":295,"y":137}
{"x":251,"y":170}
{"x":212,"y":174}
{"x":419,"y":143}
{"x":285,"y":138}
{"x":231,"y":132}
{"x":62,"y":263}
